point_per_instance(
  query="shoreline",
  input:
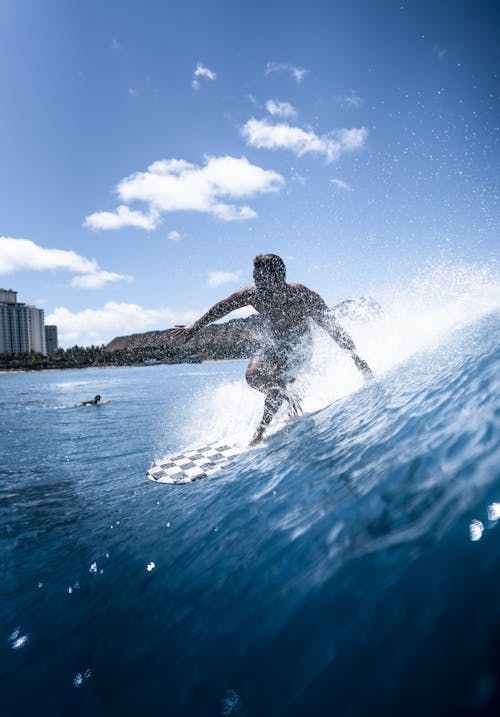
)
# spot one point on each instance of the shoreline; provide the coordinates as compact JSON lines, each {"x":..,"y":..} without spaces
{"x":114,"y":365}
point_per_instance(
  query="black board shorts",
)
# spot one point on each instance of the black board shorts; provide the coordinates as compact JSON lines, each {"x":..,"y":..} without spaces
{"x":286,"y":361}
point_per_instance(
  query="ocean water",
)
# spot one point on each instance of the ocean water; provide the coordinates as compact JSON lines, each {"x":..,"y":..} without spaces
{"x":349,"y":566}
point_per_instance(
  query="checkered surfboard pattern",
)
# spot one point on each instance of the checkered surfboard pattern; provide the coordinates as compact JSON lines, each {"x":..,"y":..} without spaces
{"x":193,"y":465}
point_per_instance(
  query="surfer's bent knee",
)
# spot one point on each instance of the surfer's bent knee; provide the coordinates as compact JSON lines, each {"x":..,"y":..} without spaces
{"x":258,"y":374}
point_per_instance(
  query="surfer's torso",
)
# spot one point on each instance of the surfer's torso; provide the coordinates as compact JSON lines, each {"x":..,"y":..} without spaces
{"x":286,"y":311}
{"x":287,"y":314}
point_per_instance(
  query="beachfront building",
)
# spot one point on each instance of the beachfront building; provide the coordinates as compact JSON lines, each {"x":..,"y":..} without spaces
{"x":51,"y":339}
{"x":22,"y":327}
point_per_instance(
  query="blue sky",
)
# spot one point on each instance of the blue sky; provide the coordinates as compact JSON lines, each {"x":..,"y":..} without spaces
{"x":150,"y":150}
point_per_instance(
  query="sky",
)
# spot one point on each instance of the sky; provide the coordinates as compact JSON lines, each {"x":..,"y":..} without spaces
{"x":149,"y":150}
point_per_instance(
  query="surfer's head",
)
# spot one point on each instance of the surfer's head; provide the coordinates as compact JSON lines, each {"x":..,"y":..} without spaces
{"x":97,"y":398}
{"x":269,"y":271}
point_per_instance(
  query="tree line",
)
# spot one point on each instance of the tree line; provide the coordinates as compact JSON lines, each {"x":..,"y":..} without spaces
{"x":85,"y":356}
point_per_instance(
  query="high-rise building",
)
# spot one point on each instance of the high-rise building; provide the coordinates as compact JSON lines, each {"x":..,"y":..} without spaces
{"x":21,"y":326}
{"x":51,"y":339}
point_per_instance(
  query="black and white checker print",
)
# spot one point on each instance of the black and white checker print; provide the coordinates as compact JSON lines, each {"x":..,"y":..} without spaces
{"x":193,"y":465}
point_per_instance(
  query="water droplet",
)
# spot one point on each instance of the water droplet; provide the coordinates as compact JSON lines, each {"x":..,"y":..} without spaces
{"x":17,"y":640}
{"x":476,"y":529}
{"x":80,"y":677}
{"x":494,"y":511}
{"x":230,"y":704}
{"x":150,"y":566}
{"x":93,"y":568}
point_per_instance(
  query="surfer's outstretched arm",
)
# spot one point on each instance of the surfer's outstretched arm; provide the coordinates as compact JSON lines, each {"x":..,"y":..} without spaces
{"x":236,"y":301}
{"x":342,"y":338}
{"x":329,"y":323}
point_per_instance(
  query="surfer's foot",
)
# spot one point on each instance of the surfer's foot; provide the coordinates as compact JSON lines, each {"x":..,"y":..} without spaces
{"x":256,"y":438}
{"x":295,"y":407}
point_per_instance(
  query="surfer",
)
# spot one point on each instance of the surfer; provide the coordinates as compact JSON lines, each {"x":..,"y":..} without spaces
{"x":92,"y":402}
{"x":286,"y":310}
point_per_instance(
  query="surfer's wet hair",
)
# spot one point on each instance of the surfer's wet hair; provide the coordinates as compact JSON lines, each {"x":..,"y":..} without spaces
{"x":270,"y":264}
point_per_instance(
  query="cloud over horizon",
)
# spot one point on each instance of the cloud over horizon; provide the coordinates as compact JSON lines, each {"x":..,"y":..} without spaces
{"x":263,"y":135}
{"x":174,"y":185}
{"x":24,"y":254}
{"x":100,"y":326}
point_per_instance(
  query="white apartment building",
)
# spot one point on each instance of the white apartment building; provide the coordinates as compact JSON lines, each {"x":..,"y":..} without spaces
{"x":21,"y":326}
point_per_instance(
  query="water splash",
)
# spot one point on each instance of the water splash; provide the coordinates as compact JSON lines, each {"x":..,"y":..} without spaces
{"x":416,"y":319}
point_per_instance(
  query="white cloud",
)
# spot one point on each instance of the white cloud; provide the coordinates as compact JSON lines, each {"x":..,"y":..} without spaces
{"x":122,"y":217}
{"x":280,"y":109}
{"x":218,"y":278}
{"x":298,"y":73}
{"x":97,"y":279}
{"x":340,"y":184}
{"x":229,"y":213}
{"x":23,"y":254}
{"x":174,"y":236}
{"x":261,"y":134}
{"x":98,"y":326}
{"x":173,"y":185}
{"x":19,"y":254}
{"x":202,"y":71}
{"x":353,"y":99}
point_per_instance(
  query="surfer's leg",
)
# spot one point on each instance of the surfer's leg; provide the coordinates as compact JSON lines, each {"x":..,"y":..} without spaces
{"x":263,"y":375}
{"x":274,"y":398}
{"x":260,"y":374}
{"x":272,"y":374}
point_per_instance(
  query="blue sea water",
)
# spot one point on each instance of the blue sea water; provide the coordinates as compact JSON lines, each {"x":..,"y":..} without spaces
{"x":350,"y":566}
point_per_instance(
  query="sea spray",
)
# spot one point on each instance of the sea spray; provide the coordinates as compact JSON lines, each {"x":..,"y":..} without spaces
{"x":416,"y":318}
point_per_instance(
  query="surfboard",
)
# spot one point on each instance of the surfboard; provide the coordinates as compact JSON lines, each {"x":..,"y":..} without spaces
{"x":101,"y":403}
{"x":194,"y":464}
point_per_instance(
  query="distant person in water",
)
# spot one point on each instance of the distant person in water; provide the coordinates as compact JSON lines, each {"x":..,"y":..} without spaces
{"x":93,"y":402}
{"x":286,"y":310}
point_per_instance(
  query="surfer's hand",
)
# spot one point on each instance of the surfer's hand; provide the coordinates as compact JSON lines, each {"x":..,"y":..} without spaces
{"x":183,"y":332}
{"x":363,"y":367}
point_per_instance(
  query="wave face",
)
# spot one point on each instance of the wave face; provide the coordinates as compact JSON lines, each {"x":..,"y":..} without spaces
{"x":350,"y":566}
